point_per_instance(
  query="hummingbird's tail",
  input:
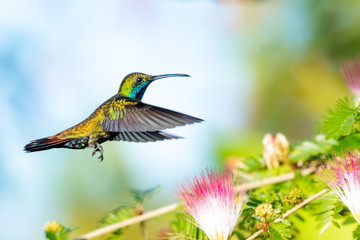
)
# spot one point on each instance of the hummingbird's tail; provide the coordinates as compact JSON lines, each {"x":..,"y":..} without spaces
{"x":45,"y":143}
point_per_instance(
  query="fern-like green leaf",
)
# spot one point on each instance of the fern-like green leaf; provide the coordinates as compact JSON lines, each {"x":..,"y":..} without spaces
{"x":327,"y":212}
{"x":279,"y":231}
{"x":184,"y":229}
{"x":341,"y":121}
{"x":121,"y":213}
{"x":308,"y":149}
{"x":126,"y":211}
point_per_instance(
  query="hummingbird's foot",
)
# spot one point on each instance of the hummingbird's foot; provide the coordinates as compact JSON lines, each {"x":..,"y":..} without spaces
{"x":98,"y":148}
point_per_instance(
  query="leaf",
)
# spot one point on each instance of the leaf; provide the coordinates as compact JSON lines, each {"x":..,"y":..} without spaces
{"x":324,"y":207}
{"x":184,"y":228}
{"x":356,"y":233}
{"x":141,"y":195}
{"x":341,"y":121}
{"x":325,"y":228}
{"x":324,"y":215}
{"x":299,"y":217}
{"x":308,"y":149}
{"x":238,"y":235}
{"x":50,"y":236}
{"x":338,"y":209}
{"x":349,"y":220}
{"x":324,"y":221}
{"x":117,"y":237}
{"x":348,"y":142}
{"x":126,"y":211}
{"x":336,"y":224}
{"x":253,"y":164}
{"x":279,"y":231}
{"x":337,"y":216}
{"x":327,"y":212}
{"x":119,"y":214}
{"x":253,"y":202}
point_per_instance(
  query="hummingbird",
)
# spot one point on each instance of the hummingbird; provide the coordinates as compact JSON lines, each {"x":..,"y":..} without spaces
{"x":123,"y":117}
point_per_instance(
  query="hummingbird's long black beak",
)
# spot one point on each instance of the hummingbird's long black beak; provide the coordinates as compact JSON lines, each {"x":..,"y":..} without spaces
{"x":169,"y":75}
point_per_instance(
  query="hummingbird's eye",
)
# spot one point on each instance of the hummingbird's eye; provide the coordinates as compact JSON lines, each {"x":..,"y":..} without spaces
{"x":139,"y":80}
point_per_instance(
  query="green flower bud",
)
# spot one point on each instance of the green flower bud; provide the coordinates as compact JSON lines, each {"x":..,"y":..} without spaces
{"x":295,"y":194}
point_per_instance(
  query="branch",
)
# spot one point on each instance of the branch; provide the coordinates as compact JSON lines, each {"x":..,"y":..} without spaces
{"x":276,"y":179}
{"x":128,"y":222}
{"x":172,"y":207}
{"x":291,"y":211}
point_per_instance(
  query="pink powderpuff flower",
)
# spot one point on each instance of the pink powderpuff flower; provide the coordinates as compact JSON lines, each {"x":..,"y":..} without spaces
{"x":213,"y":202}
{"x":351,"y":73}
{"x":342,"y":175}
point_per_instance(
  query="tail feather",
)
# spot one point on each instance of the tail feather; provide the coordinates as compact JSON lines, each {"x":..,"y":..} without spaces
{"x":44,"y":144}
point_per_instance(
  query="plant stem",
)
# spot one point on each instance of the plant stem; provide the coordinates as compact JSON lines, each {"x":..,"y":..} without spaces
{"x":143,"y":231}
{"x":276,"y":179}
{"x":291,"y":211}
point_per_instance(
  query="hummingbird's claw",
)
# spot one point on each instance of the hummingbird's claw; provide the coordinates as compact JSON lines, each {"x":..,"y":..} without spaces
{"x":98,"y":148}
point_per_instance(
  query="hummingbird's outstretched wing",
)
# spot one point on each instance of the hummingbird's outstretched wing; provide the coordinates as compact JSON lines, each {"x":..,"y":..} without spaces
{"x":130,"y":115}
{"x":144,"y":136}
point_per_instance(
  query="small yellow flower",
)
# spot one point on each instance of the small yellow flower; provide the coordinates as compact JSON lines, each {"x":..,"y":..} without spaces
{"x":264,"y":210}
{"x":53,"y":226}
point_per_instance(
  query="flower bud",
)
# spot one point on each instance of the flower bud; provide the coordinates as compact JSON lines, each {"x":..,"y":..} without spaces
{"x":295,"y":194}
{"x":264,"y":210}
{"x":351,"y":73}
{"x":276,"y":149}
{"x":53,"y":227}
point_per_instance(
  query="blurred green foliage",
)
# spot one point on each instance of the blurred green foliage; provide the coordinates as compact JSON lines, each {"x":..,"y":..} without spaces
{"x":296,"y":76}
{"x":127,"y":210}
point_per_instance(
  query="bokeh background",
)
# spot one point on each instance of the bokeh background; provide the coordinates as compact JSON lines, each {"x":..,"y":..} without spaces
{"x":256,"y":67}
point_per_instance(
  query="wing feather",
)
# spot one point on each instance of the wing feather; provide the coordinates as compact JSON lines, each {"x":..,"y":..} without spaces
{"x":140,"y":117}
{"x":144,"y":136}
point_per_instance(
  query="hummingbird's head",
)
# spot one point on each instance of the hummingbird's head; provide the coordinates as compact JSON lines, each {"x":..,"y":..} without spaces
{"x":134,"y":84}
